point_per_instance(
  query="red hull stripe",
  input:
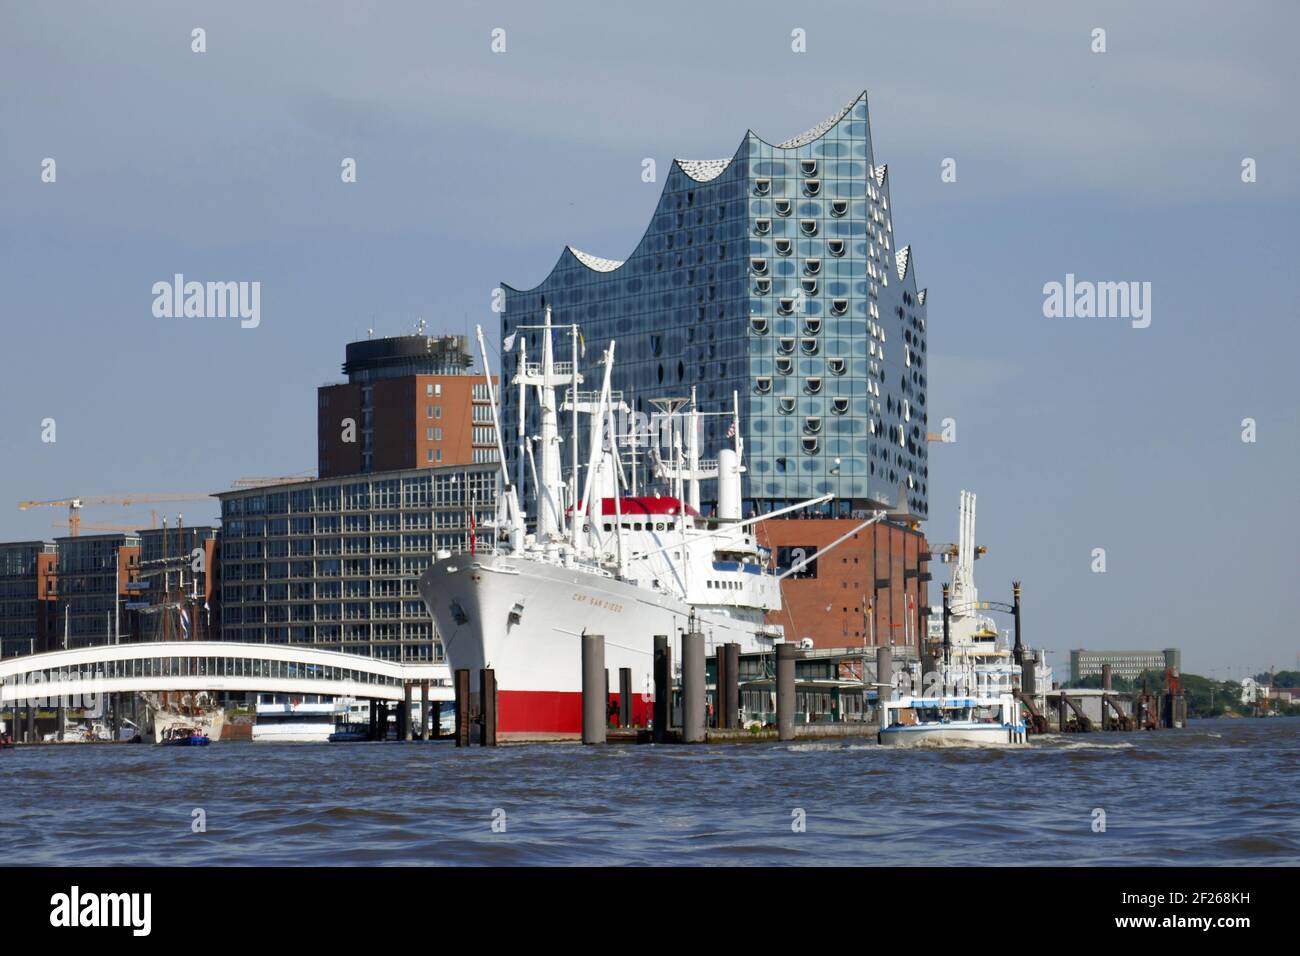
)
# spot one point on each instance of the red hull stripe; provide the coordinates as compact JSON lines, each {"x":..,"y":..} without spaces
{"x":554,"y":712}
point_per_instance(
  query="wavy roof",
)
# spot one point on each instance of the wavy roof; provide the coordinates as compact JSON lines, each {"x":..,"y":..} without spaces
{"x":707,"y":170}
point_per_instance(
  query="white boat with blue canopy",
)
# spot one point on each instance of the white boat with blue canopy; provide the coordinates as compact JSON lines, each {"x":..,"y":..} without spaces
{"x":943,"y":721}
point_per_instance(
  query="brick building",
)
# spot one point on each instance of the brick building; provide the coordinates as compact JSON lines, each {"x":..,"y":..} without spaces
{"x":409,"y":402}
{"x":885,"y":567}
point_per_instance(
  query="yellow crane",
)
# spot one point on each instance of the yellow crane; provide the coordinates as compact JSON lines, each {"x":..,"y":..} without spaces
{"x":74,"y":505}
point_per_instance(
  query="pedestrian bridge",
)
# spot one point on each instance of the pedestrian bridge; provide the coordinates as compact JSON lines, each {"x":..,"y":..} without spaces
{"x":213,"y":666}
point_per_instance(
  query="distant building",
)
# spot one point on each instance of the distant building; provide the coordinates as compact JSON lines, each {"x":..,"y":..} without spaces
{"x":1126,"y":664}
{"x":27,"y":596}
{"x":93,"y":573}
{"x":408,"y":403}
{"x":334,"y":562}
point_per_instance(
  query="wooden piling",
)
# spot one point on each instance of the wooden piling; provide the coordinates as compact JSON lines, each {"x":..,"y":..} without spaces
{"x":785,"y":690}
{"x":693,"y":689}
{"x":663,"y":668}
{"x":731,"y":693}
{"x":625,"y":697}
{"x":424,"y":710}
{"x":462,"y":707}
{"x":595,"y":699}
{"x":404,"y":718}
{"x":487,"y":685}
{"x":719,"y":687}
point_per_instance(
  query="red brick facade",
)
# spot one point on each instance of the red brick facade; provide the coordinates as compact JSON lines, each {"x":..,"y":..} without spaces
{"x":831,"y":604}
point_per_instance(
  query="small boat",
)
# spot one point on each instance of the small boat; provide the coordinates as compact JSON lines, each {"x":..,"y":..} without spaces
{"x":950,"y":721}
{"x":346,"y":733}
{"x":176,"y":736}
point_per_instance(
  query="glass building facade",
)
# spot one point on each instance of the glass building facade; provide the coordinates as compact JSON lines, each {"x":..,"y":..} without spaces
{"x":335,"y":562}
{"x":774,"y":274}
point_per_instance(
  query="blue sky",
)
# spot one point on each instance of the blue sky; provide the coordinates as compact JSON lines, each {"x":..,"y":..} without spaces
{"x":475,"y":168}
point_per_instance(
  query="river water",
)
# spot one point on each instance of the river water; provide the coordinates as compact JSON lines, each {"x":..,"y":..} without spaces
{"x":1219,"y":792}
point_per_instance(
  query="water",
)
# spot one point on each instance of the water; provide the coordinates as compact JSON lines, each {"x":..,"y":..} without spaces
{"x":1220,"y":792}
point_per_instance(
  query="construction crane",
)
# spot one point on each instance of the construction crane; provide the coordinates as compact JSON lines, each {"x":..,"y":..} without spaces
{"x":74,"y":505}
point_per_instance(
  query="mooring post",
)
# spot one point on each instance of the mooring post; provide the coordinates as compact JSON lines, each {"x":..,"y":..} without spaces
{"x":785,"y":694}
{"x":884,"y":677}
{"x":625,"y":697}
{"x":487,"y":684}
{"x":62,"y":717}
{"x":595,"y":700}
{"x":1018,"y":652}
{"x":404,"y":718}
{"x":719,"y":686}
{"x":462,"y":707}
{"x":731,"y":693}
{"x":424,"y":710}
{"x":693,"y":689}
{"x":663,"y":665}
{"x":31,"y":723}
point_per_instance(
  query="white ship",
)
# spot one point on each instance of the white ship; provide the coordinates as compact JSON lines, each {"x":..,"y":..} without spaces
{"x":283,"y":718}
{"x":604,"y":558}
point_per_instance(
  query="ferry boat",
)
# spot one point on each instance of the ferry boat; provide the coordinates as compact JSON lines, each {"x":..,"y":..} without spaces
{"x":946,"y":721}
{"x":604,"y":557}
{"x":282,"y":718}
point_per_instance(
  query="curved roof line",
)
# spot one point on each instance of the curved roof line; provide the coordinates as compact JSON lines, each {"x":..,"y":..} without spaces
{"x":595,"y":263}
{"x":816,"y":132}
{"x":703,"y":170}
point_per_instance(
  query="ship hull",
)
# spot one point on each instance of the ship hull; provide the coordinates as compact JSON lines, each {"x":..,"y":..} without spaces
{"x":524,"y":619}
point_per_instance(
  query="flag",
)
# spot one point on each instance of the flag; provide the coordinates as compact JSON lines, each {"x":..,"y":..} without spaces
{"x":472,"y":533}
{"x":185,"y":624}
{"x":731,"y":429}
{"x":508,"y":343}
{"x":582,"y":344}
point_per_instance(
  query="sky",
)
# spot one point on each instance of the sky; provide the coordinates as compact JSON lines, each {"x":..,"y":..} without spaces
{"x":475,"y":168}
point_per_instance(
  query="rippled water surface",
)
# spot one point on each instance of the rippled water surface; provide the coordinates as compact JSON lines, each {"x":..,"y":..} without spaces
{"x":1219,"y":792}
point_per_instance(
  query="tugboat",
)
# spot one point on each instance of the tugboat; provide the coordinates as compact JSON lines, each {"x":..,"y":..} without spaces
{"x":178,"y":736}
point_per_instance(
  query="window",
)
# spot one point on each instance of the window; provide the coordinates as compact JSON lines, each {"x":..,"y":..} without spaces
{"x":758,"y":324}
{"x":762,"y":227}
{"x":762,"y":187}
{"x":437,"y":434}
{"x":808,"y":227}
{"x":759,"y":266}
{"x":784,"y":247}
{"x":835,"y":247}
{"x":839,"y":306}
{"x":428,"y":434}
{"x":762,"y":286}
{"x":812,"y":266}
{"x":783,"y":207}
{"x":812,"y":187}
{"x":839,"y":207}
{"x":437,"y":411}
{"x":428,"y":411}
{"x":809,"y":166}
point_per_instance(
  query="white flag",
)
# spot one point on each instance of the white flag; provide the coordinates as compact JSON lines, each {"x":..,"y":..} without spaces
{"x":508,"y":343}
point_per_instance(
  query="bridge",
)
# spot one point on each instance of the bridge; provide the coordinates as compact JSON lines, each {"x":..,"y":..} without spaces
{"x":214,"y":666}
